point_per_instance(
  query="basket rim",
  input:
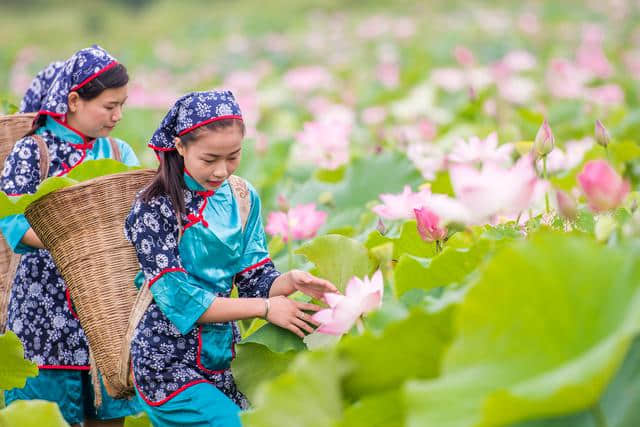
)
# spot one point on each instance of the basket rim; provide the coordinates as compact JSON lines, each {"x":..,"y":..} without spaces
{"x":81,"y":185}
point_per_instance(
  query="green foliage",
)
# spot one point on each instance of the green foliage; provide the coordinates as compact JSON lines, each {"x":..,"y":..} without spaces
{"x":14,"y":369}
{"x":337,"y":258}
{"x":32,"y":413}
{"x":535,"y":292}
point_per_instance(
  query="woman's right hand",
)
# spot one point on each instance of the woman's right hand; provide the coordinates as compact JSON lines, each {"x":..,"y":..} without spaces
{"x":289,"y":314}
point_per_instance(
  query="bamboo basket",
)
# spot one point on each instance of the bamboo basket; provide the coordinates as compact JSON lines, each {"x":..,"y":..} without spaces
{"x":83,"y":228}
{"x":12,"y":128}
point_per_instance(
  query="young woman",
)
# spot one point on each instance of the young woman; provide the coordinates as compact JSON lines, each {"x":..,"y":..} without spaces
{"x":82,"y":105}
{"x":192,"y":245}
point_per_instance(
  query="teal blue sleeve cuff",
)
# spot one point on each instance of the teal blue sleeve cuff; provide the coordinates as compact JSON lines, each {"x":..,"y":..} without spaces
{"x":179,"y":300}
{"x":13,"y":228}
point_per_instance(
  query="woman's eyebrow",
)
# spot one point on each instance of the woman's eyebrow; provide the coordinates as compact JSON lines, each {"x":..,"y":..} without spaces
{"x":222,"y":155}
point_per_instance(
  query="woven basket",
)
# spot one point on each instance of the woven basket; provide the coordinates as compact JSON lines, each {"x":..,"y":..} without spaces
{"x":12,"y":128}
{"x":83,"y":228}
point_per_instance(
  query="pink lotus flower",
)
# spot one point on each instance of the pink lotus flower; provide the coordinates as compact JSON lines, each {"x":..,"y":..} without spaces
{"x":307,"y":79}
{"x":299,"y":223}
{"x":606,"y":95}
{"x":429,"y":225}
{"x":602,"y":186}
{"x":478,"y":150}
{"x":324,"y":143}
{"x":361,"y":297}
{"x":493,"y":190}
{"x":400,"y":206}
{"x":590,"y":55}
{"x":566,"y":205}
{"x":565,"y":79}
{"x":519,"y":60}
{"x":464,"y":56}
{"x":543,"y":144}
{"x":388,"y":73}
{"x":428,"y":158}
{"x":574,"y":151}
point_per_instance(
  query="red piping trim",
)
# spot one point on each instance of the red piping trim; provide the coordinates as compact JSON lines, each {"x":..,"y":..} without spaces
{"x":94,"y":75}
{"x":160,"y":148}
{"x":259,"y":264}
{"x":15,"y":195}
{"x":198,"y":361}
{"x":68,"y":169}
{"x":194,"y":219}
{"x":213,"y":119}
{"x":70,"y":304}
{"x":166,"y":399}
{"x":163,"y":272}
{"x":84,"y":137}
{"x":70,"y":367}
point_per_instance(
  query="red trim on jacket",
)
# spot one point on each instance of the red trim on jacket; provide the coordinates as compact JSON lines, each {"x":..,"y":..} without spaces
{"x":199,"y":352}
{"x":163,"y":272}
{"x":166,"y":399}
{"x":70,"y":304}
{"x":256,"y":265}
{"x":69,"y":367}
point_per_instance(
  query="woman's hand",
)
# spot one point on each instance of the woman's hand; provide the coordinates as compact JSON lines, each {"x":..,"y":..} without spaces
{"x":310,"y":285}
{"x":289,"y":314}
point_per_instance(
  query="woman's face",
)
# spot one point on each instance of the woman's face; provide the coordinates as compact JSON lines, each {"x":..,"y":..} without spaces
{"x":213,"y":156}
{"x":97,"y":117}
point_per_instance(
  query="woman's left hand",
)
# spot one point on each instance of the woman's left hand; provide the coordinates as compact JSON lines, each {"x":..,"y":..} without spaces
{"x":310,"y":285}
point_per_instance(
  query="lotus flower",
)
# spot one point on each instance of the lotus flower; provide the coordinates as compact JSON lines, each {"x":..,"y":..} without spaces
{"x":602,"y":186}
{"x":492,"y":191}
{"x":544,"y":141}
{"x":361,"y":297}
{"x":478,"y":150}
{"x":429,"y":225}
{"x":566,"y":205}
{"x":299,"y":223}
{"x":400,"y":206}
{"x":325,"y":143}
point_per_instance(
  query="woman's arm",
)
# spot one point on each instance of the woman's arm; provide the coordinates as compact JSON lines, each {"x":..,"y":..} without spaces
{"x":30,"y":238}
{"x":279,"y":310}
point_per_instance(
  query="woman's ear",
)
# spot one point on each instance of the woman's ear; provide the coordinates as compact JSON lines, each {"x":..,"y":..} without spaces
{"x":179,"y":146}
{"x":73,"y":102}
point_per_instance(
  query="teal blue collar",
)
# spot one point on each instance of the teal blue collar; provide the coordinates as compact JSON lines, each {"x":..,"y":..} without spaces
{"x":191,"y":183}
{"x":67,"y":133}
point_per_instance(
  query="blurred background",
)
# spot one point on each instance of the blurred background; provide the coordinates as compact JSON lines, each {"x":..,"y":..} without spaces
{"x":409,"y":75}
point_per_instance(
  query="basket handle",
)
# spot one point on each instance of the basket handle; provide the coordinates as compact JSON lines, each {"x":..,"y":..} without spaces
{"x":44,"y":157}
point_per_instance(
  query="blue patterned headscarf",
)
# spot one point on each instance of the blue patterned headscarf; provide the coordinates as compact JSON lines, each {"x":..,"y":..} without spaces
{"x":84,"y":66}
{"x":38,"y":88}
{"x":191,"y":111}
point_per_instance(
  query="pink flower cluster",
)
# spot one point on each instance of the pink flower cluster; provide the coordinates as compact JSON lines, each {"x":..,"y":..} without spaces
{"x":298,"y":223}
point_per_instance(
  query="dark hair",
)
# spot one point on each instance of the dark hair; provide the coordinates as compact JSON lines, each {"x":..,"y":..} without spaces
{"x":112,"y":78}
{"x":169,"y":179}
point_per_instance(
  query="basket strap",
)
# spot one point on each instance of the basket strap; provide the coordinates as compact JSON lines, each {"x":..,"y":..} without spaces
{"x":5,"y":290}
{"x":95,"y":380}
{"x":117,"y":155}
{"x":44,"y":157}
{"x":143,"y":300}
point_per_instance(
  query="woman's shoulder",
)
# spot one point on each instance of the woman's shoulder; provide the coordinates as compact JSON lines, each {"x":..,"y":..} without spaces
{"x":159,"y":206}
